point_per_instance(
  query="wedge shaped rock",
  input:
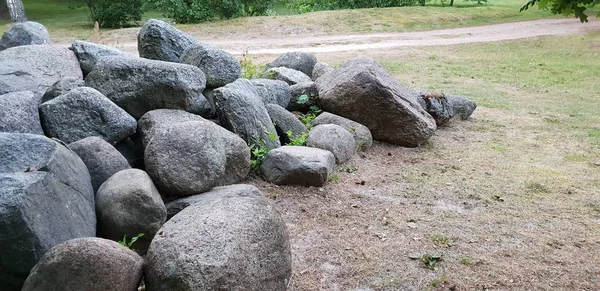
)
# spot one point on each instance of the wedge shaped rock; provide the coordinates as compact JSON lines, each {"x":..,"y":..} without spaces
{"x":297,"y":165}
{"x":158,"y":40}
{"x":89,"y":53}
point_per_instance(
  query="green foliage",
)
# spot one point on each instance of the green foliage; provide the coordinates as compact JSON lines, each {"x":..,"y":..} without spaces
{"x":298,"y":140}
{"x":307,"y":118}
{"x":258,"y":152}
{"x":113,"y":13}
{"x":564,"y":7}
{"x":194,"y":11}
{"x":304,"y":6}
{"x":249,"y":69}
{"x":441,"y":240}
{"x":130,"y":243}
{"x":429,"y":260}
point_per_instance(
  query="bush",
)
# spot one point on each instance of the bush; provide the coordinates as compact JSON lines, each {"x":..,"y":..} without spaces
{"x":116,"y":13}
{"x":193,"y":11}
{"x":303,"y":6}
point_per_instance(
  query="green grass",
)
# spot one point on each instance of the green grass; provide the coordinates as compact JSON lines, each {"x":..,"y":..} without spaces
{"x":73,"y":23}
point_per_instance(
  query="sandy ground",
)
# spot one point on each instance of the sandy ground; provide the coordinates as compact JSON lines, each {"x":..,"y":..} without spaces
{"x":256,"y":44}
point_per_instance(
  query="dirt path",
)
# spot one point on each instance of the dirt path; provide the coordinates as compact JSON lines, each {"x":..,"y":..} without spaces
{"x":338,"y":43}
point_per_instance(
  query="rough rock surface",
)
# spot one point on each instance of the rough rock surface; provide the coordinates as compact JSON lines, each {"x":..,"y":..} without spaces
{"x":155,"y":119}
{"x":307,"y":91}
{"x":219,"y":66}
{"x":242,"y":111}
{"x":19,"y":113}
{"x":62,"y":86}
{"x":462,"y":106}
{"x":140,"y":85}
{"x":320,"y":70}
{"x":362,"y":135}
{"x":46,"y":198}
{"x":437,"y":105}
{"x":333,"y":138}
{"x":299,"y":61}
{"x":91,"y":264}
{"x":232,"y":239}
{"x":158,"y":40}
{"x":85,"y":112}
{"x":101,"y":159}
{"x":272,"y":91}
{"x":25,"y":33}
{"x":285,"y":122}
{"x":290,"y":76}
{"x":187,"y":158}
{"x":89,"y":53}
{"x":297,"y":165}
{"x":175,"y":206}
{"x":365,"y":92}
{"x":35,"y":68}
{"x":128,"y":204}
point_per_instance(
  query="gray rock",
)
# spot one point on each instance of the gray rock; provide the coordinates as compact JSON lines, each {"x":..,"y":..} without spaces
{"x":91,"y":264}
{"x":101,"y":159}
{"x":62,"y":86}
{"x":272,"y":91}
{"x":19,"y":113}
{"x":139,"y":85}
{"x":250,"y":252}
{"x":362,"y":135}
{"x":46,"y":198}
{"x":89,"y":53}
{"x":285,"y":122}
{"x":308,"y":92}
{"x":333,"y":138}
{"x":299,"y":61}
{"x":462,"y":106}
{"x":365,"y":92}
{"x":290,"y":76}
{"x":24,"y":33}
{"x":128,"y":204}
{"x":187,"y":158}
{"x":219,"y":66}
{"x":320,"y":70}
{"x":85,"y":112}
{"x":437,"y":106}
{"x":296,"y":165}
{"x":35,"y":68}
{"x":242,"y":111}
{"x":155,"y":119}
{"x":201,"y":106}
{"x":157,"y":40}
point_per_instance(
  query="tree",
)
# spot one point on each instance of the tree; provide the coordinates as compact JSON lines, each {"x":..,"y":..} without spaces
{"x":564,"y":7}
{"x":13,"y":10}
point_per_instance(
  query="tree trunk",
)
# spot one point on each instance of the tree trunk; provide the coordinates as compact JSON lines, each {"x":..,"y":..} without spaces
{"x":451,"y":2}
{"x":4,"y":15}
{"x":16,"y":10}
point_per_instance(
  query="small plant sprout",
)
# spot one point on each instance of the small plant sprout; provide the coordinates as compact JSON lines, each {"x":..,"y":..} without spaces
{"x":298,"y":140}
{"x":130,"y":243}
{"x":429,"y":260}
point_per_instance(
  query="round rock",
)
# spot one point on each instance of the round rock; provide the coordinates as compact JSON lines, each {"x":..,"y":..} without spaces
{"x":219,"y":66}
{"x":333,"y":138}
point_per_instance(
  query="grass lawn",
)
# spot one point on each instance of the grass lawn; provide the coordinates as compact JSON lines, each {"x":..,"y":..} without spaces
{"x":66,"y":23}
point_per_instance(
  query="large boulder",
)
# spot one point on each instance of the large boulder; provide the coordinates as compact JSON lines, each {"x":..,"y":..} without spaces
{"x":242,"y":111}
{"x":304,"y":95}
{"x":287,"y":125}
{"x":272,"y":91}
{"x":89,"y":53}
{"x":139,"y":85}
{"x":128,"y":204}
{"x":365,"y":92}
{"x":154,"y":120}
{"x":290,"y":76}
{"x":62,"y":86}
{"x":321,"y":69}
{"x":91,"y":264}
{"x":297,"y":165}
{"x":46,"y":198}
{"x":232,"y":239}
{"x":158,"y":40}
{"x":299,"y":61}
{"x":362,"y":135}
{"x":35,"y":68}
{"x":333,"y":138}
{"x":101,"y":159}
{"x":19,"y":113}
{"x":219,"y":66}
{"x":187,"y":158}
{"x":25,"y":33}
{"x":85,"y":112}
{"x":462,"y":106}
